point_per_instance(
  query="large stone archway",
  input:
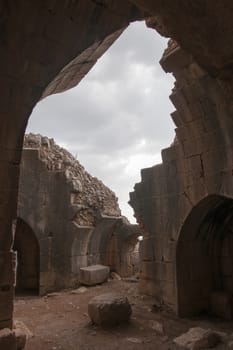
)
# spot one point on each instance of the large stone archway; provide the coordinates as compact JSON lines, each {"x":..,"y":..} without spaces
{"x":204,"y":257}
{"x":48,"y":47}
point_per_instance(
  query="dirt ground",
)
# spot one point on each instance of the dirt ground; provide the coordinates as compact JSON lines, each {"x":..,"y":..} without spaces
{"x":61,"y":322}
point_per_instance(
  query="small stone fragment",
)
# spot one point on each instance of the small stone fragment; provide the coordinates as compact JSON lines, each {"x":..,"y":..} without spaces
{"x":23,"y":327}
{"x":134,"y":340}
{"x":79,"y":290}
{"x":21,"y":338}
{"x":115,"y":276}
{"x":51,"y":295}
{"x":156,"y":326}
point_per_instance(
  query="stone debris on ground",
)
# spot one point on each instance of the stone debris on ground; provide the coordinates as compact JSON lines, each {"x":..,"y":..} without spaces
{"x":21,"y":325}
{"x":199,"y":338}
{"x":21,"y":338}
{"x":156,"y":326}
{"x":52,"y":295}
{"x":90,"y":196}
{"x":94,"y":274}
{"x":115,"y":276}
{"x":80,"y":290}
{"x":135,"y":340}
{"x":109,"y":309}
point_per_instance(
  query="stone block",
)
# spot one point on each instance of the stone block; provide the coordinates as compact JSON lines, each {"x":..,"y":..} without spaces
{"x":109,"y":309}
{"x":21,"y":338}
{"x":7,"y":339}
{"x":95,"y":274}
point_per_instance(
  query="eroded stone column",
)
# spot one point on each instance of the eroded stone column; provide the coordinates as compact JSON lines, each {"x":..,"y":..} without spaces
{"x":9,"y":176}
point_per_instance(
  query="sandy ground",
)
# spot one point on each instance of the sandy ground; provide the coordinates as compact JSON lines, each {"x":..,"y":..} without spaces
{"x":61,"y":322}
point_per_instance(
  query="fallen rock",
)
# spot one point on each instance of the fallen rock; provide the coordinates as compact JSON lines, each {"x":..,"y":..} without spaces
{"x":23,"y":327}
{"x":156,"y":326}
{"x":7,"y":340}
{"x":95,"y":274}
{"x":135,"y":340}
{"x":199,"y":338}
{"x":115,"y":276}
{"x":109,"y":309}
{"x":52,"y":295}
{"x":79,"y":290}
{"x":21,"y":338}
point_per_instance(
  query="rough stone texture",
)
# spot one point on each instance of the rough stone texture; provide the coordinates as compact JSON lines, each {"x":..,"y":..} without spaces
{"x":88,"y":194}
{"x":174,"y":197}
{"x":95,"y":274}
{"x":67,"y":219}
{"x":198,"y":338}
{"x":7,"y":339}
{"x":20,"y":338}
{"x":202,"y":28}
{"x":109,"y":309}
{"x":41,"y":43}
{"x":39,"y":40}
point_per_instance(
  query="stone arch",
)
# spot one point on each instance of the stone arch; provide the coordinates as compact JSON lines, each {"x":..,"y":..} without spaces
{"x":122,"y":251}
{"x":204,"y":258}
{"x":28,"y":258}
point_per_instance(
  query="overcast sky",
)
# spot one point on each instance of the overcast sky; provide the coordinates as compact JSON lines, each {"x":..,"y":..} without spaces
{"x":117,"y":120}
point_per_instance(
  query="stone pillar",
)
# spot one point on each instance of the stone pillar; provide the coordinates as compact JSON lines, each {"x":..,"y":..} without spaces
{"x":9,"y":177}
{"x":7,"y":281}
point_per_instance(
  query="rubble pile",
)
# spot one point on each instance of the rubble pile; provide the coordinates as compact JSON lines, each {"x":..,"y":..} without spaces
{"x":91,"y":197}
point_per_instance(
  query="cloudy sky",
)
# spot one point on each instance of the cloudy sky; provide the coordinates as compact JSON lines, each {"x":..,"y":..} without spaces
{"x":116,"y":121}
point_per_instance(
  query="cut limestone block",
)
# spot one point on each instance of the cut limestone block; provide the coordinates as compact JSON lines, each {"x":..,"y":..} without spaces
{"x":7,"y":339}
{"x":94,"y":274}
{"x":109,"y":309}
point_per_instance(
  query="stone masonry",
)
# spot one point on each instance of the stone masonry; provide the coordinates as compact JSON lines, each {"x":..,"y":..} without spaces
{"x":174,"y":197}
{"x":47,"y":47}
{"x":72,"y":215}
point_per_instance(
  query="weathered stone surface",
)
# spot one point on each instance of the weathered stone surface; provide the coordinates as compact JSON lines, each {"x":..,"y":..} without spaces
{"x":198,"y":338}
{"x":87,"y":192}
{"x":109,"y":309}
{"x":58,"y":199}
{"x":95,"y":274}
{"x":21,"y":338}
{"x":174,"y":197}
{"x":7,"y":339}
{"x":55,"y":58}
{"x":22,"y":327}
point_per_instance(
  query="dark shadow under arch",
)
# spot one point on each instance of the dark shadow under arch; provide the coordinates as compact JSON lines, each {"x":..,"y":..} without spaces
{"x":204,"y":260}
{"x":28,"y":259}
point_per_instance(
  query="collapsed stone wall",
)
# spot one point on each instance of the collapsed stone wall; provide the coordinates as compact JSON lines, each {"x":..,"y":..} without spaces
{"x":72,"y":214}
{"x":197,"y":165}
{"x":89,"y":195}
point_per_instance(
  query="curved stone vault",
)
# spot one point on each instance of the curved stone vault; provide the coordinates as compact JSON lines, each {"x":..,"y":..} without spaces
{"x":47,"y":47}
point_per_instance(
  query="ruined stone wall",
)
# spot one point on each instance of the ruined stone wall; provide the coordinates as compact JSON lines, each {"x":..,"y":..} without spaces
{"x":197,"y":164}
{"x":72,"y":214}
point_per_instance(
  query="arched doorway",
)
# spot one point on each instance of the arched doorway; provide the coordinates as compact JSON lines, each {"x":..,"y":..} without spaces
{"x":28,"y":259}
{"x":205,"y":259}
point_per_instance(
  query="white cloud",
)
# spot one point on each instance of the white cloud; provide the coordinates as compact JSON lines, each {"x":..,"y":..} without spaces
{"x":117,"y":120}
